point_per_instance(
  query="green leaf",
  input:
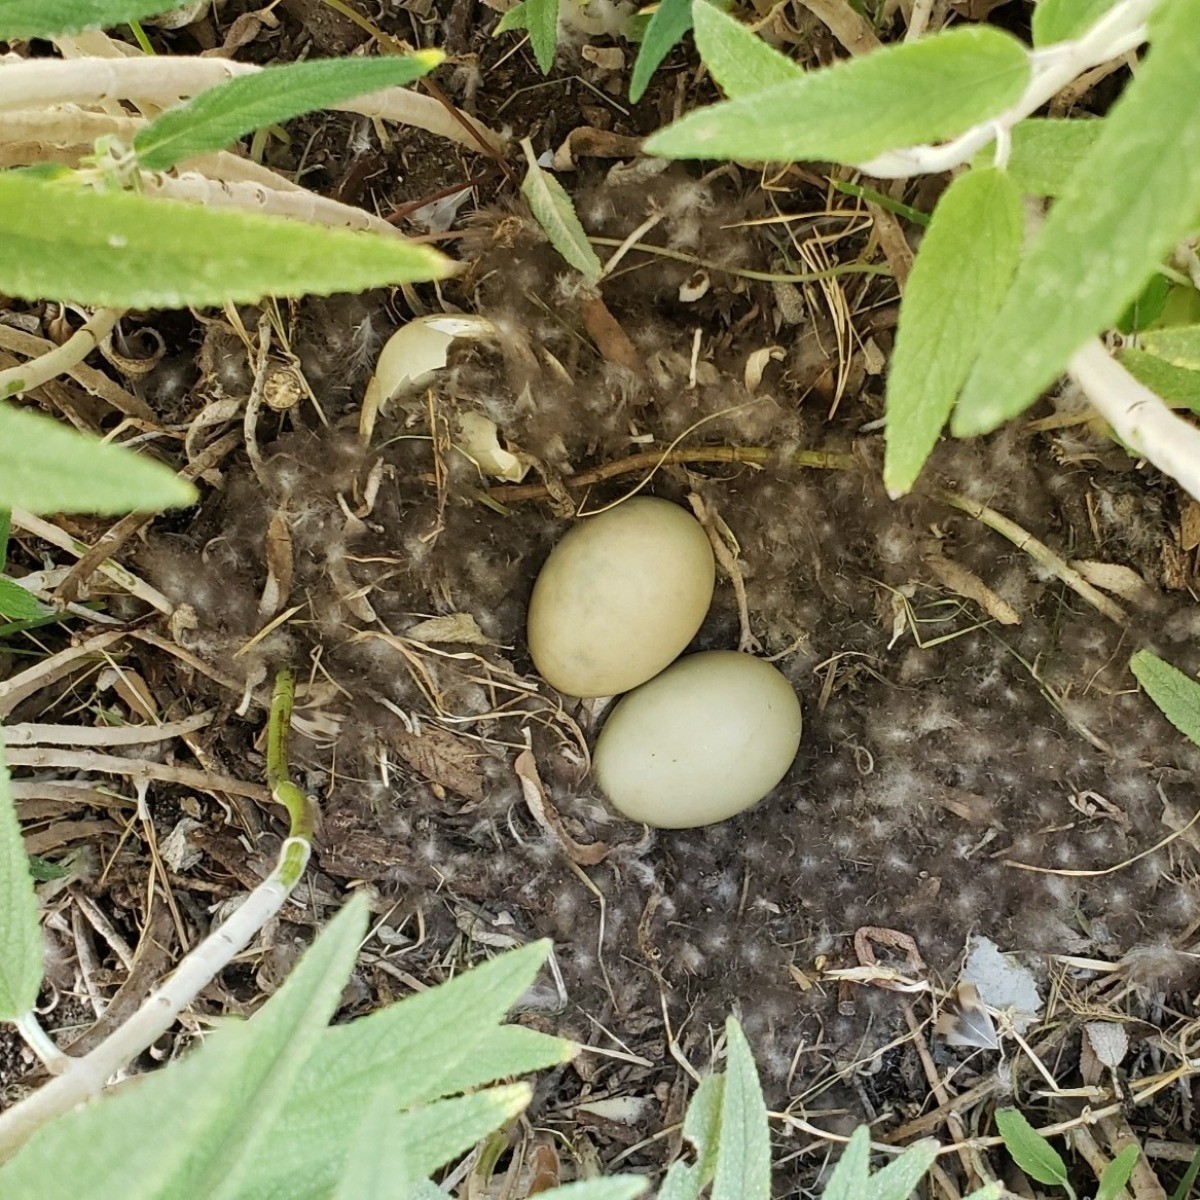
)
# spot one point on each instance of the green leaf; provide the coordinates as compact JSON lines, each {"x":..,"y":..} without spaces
{"x":1177,"y":344}
{"x":1030,"y":1151}
{"x":540,"y":19}
{"x":16,"y":604}
{"x":62,"y":241}
{"x":958,"y":282}
{"x":48,"y":18}
{"x":46,"y":467}
{"x":990,"y":1191}
{"x":187,"y":1130}
{"x":554,"y":212}
{"x":922,"y":91}
{"x":701,"y":1127}
{"x":393,"y":1149}
{"x":448,"y":1035}
{"x":1116,"y":1174}
{"x":1184,"y":1190}
{"x":743,"y":1169}
{"x":1065,"y":20}
{"x":671,"y":20}
{"x":20,"y":937}
{"x":1176,"y":694}
{"x":1123,"y":209}
{"x":5,"y":530}
{"x":220,"y":115}
{"x":275,"y":1047}
{"x":1178,"y":386}
{"x":1045,"y":151}
{"x":737,"y":59}
{"x":897,"y":1180}
{"x":42,"y":870}
{"x":1147,"y":307}
{"x":849,"y":1180}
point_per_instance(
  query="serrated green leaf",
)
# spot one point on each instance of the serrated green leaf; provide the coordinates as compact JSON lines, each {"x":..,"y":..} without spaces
{"x":554,"y":211}
{"x":1116,"y":1175}
{"x":448,"y":1033}
{"x":220,"y":115}
{"x":671,"y":20}
{"x":1178,"y":386}
{"x":1044,"y":152}
{"x":539,"y":18}
{"x":16,"y":604}
{"x":701,"y":1127}
{"x":20,"y":937}
{"x":1122,"y":210}
{"x":898,"y":96}
{"x":394,"y":1149}
{"x":897,"y":1180}
{"x":186,"y":1130}
{"x":46,"y":467}
{"x":1176,"y":694}
{"x":743,"y":1170}
{"x":958,"y":282}
{"x":49,"y":18}
{"x":1064,"y":20}
{"x":849,"y":1180}
{"x":737,"y":59}
{"x":1030,"y":1151}
{"x":621,"y":1188}
{"x":117,"y":249}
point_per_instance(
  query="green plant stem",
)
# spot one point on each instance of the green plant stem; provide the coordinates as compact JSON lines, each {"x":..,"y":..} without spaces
{"x":140,"y":37}
{"x":39,"y":1041}
{"x":300,"y":809}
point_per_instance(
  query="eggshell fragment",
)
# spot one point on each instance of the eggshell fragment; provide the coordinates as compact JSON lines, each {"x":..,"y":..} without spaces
{"x":699,"y":743}
{"x":619,"y":597}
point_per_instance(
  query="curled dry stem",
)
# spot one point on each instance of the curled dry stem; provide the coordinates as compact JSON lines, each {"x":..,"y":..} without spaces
{"x":73,"y":351}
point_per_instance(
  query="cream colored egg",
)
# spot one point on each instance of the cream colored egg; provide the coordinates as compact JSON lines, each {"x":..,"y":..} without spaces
{"x":703,"y":741}
{"x":619,"y":597}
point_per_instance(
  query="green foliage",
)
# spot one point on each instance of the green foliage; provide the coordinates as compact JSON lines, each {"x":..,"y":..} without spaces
{"x":1184,"y":1190}
{"x":900,"y":95}
{"x":220,"y":115}
{"x":1045,"y":152}
{"x":1062,"y":20}
{"x":671,"y":20}
{"x":1116,"y":1174}
{"x":740,"y":62}
{"x":743,"y":1166}
{"x":539,"y":18}
{"x":946,"y":313}
{"x":46,"y":467}
{"x":1030,"y":1151}
{"x":16,"y":604}
{"x":1176,"y":694}
{"x":1176,"y":385}
{"x":1122,"y":210}
{"x":115,"y":248}
{"x":554,"y":212}
{"x":48,"y":18}
{"x":852,"y":1178}
{"x":20,"y":937}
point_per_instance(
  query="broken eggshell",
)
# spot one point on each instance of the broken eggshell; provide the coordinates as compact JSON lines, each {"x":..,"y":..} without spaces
{"x":619,"y":597}
{"x":479,"y":439}
{"x":411,"y":355}
{"x":702,"y":742}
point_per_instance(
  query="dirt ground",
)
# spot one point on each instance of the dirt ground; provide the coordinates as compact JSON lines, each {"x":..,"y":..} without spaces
{"x":976,"y":757}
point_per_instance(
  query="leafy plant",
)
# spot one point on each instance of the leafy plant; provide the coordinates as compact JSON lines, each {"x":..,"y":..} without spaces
{"x":668,"y":21}
{"x":1125,"y":192}
{"x":1176,"y":694}
{"x":1041,"y":1162}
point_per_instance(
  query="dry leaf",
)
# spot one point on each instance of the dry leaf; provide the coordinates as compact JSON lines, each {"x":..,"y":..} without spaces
{"x":453,"y":627}
{"x":443,"y":759}
{"x":967,"y":584}
{"x":1119,"y":580}
{"x":1108,"y":1040}
{"x":757,"y":363}
{"x":1189,"y":526}
{"x":546,"y":816}
{"x":611,"y":339}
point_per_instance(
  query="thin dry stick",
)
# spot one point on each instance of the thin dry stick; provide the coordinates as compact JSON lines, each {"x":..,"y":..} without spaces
{"x":1038,"y":551}
{"x":49,"y":670}
{"x":826,"y":460}
{"x":850,"y":28}
{"x":30,"y":734}
{"x":26,"y":377}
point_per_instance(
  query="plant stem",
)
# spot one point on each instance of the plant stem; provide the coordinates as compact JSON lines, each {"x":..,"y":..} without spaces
{"x":40,"y":1042}
{"x":1121,"y":29}
{"x":73,"y":351}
